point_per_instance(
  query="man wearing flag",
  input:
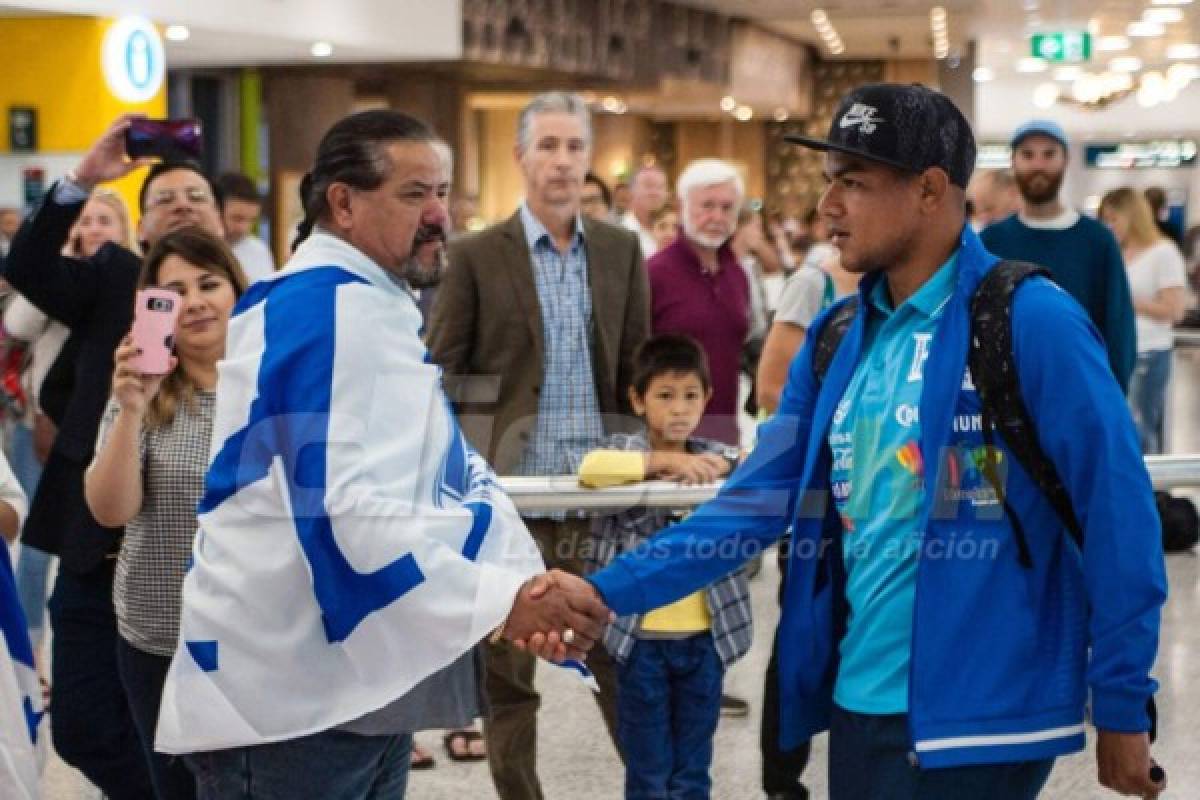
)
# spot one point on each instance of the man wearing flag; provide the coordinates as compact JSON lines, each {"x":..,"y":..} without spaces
{"x":351,"y":543}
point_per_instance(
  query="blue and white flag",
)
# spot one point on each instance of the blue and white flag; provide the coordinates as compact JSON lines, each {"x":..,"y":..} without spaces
{"x":351,"y":542}
{"x":20,"y":696}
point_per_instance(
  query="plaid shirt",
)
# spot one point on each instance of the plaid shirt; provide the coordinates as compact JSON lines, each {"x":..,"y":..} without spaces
{"x":568,"y":421}
{"x":728,"y":599}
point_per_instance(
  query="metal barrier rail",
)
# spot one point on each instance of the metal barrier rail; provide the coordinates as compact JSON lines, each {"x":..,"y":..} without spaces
{"x":563,"y":492}
{"x":1187,"y":338}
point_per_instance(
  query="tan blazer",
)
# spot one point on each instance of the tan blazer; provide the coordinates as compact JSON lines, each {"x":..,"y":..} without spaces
{"x":486,"y":332}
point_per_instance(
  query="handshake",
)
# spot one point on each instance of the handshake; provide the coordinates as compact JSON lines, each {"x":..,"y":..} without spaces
{"x":557,"y":616}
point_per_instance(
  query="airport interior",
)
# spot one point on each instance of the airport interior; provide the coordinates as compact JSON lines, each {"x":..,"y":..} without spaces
{"x":621,"y":223}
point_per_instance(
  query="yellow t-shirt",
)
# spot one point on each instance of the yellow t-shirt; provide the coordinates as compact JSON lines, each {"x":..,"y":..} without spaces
{"x":689,"y":615}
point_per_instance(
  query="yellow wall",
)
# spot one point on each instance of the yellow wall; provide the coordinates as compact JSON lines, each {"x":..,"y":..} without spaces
{"x":53,"y":65}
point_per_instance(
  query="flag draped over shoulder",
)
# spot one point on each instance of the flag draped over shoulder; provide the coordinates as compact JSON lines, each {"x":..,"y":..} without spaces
{"x":351,"y":542}
{"x":20,"y":696}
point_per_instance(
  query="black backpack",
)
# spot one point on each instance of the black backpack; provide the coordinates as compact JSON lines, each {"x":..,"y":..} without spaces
{"x":994,"y":374}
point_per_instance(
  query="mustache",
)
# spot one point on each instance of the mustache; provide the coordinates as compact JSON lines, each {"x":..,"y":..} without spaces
{"x":429,"y":233}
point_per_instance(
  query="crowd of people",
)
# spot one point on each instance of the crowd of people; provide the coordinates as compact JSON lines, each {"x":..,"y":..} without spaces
{"x":360,"y":401}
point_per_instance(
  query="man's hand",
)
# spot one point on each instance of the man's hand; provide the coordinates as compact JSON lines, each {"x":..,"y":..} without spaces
{"x":107,"y":161}
{"x":547,"y":607}
{"x":1123,"y":764}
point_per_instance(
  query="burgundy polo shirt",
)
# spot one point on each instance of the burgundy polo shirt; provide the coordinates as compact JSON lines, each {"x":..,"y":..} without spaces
{"x":712,"y":309}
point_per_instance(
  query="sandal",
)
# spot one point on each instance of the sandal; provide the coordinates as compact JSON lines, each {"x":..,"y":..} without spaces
{"x":462,"y":751}
{"x":421,"y":758}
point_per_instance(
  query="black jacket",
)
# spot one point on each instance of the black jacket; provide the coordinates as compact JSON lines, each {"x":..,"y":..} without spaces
{"x":94,"y":298}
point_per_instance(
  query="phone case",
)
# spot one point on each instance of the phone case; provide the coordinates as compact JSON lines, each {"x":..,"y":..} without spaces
{"x":154,"y":319}
{"x":164,"y":138}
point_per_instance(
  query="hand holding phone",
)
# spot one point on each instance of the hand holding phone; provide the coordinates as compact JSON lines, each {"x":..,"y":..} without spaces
{"x":168,"y":139}
{"x":154,"y":318}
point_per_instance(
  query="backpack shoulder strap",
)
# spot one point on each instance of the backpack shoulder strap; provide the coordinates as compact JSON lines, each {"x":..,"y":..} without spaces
{"x":829,"y":338}
{"x":994,"y":373}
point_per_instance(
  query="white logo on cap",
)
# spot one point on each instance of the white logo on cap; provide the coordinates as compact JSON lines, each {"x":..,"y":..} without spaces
{"x":861,"y":116}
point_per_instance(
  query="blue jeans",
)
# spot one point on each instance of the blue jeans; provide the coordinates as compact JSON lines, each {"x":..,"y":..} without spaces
{"x":668,"y":704}
{"x":868,"y":757}
{"x":25,"y":466}
{"x":33,"y":576}
{"x":324,"y":766}
{"x":1148,"y":397}
{"x":33,"y":565}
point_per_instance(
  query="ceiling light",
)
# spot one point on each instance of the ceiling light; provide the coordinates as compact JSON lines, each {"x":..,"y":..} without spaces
{"x":1045,"y":95}
{"x":1181,"y":52}
{"x":1180,"y":75}
{"x":1067,"y":73}
{"x":1112,"y":44}
{"x":610,"y":104}
{"x":1142,"y":28}
{"x":178,"y":33}
{"x":837,"y":49}
{"x":781,"y":114}
{"x":1031,"y":65}
{"x":743,"y":113}
{"x":1163,"y":16}
{"x":728,"y":104}
{"x":983,"y":74}
{"x":1125,"y":64}
{"x":321,"y":49}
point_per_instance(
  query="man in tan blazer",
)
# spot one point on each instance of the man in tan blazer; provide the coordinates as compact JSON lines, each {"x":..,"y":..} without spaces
{"x":535,"y":325}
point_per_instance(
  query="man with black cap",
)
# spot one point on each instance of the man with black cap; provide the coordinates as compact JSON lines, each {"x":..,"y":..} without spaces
{"x":1079,"y":251}
{"x":938,"y":619}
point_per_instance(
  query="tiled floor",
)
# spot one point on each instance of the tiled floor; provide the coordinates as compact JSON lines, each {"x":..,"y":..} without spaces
{"x":577,"y":761}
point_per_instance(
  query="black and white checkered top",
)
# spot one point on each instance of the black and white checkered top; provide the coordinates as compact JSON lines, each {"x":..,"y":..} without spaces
{"x":148,"y":587}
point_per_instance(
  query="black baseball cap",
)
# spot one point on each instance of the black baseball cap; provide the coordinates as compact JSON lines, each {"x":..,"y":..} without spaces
{"x":910,"y":127}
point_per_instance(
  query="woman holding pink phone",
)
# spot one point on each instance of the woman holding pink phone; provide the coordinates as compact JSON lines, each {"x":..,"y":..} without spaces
{"x":151,"y":455}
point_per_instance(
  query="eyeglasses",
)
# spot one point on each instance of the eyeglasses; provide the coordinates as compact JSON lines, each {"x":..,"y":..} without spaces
{"x":193,"y":194}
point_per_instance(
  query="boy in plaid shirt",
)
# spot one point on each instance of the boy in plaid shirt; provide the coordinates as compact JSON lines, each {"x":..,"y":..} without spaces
{"x":670,"y":661}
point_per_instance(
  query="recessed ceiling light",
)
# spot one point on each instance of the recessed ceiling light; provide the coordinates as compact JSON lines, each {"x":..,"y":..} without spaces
{"x":1028,"y":64}
{"x":983,"y":74}
{"x":781,"y":114}
{"x":178,"y":33}
{"x":1112,"y":44}
{"x":728,"y":104}
{"x":321,"y":49}
{"x":743,"y":113}
{"x":1163,"y":16}
{"x":1125,"y":64}
{"x":1143,"y":28}
{"x":1179,"y":52}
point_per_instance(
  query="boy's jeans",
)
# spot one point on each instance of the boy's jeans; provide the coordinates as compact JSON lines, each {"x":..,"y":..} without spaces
{"x":667,"y":710}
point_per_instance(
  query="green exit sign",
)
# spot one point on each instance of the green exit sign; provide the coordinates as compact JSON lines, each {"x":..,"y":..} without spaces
{"x":1071,"y":47}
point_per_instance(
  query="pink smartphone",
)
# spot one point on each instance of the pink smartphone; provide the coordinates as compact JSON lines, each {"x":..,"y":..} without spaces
{"x":154,"y":317}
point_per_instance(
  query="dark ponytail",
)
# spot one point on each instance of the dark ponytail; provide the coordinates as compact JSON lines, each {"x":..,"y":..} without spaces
{"x":352,"y":152}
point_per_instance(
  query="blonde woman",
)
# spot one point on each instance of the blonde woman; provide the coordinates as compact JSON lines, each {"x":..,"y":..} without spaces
{"x":105,"y":219}
{"x":1157,"y":276}
{"x":148,"y":475}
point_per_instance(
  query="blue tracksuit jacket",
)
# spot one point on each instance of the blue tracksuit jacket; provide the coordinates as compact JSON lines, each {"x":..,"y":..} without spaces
{"x":1005,"y":659}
